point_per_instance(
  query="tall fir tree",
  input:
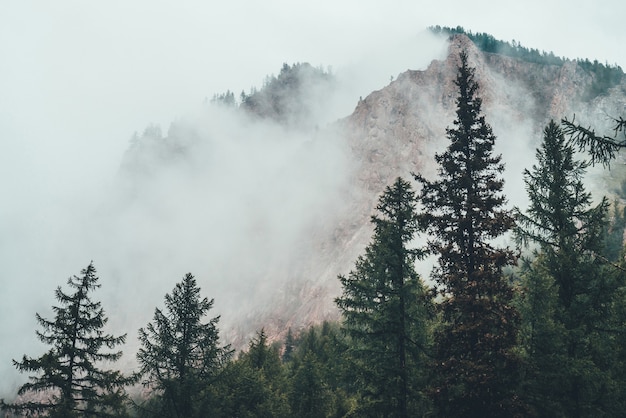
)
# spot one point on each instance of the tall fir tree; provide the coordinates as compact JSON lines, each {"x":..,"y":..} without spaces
{"x":180,"y":354}
{"x":68,"y":381}
{"x":571,"y":370}
{"x":386,"y":311}
{"x":263,"y":359}
{"x":463,"y":210}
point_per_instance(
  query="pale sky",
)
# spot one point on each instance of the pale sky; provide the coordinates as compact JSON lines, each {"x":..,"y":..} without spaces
{"x":81,"y":76}
{"x":78,"y":78}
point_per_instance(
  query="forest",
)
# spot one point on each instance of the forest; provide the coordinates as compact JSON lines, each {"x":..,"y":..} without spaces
{"x":532,"y":331}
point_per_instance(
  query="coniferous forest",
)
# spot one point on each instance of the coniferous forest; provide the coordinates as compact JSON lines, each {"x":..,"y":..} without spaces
{"x":532,"y":331}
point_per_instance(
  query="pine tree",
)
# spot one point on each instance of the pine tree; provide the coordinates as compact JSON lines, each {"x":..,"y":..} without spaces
{"x":67,"y":376}
{"x":385,"y":311}
{"x":541,"y":340}
{"x":573,"y":371}
{"x":463,"y":210}
{"x":180,"y":354}
{"x":257,"y":386}
{"x":560,"y":218}
{"x":310,"y":396}
{"x":318,"y":382}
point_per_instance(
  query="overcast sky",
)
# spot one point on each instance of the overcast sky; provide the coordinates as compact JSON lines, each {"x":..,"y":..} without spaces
{"x":78,"y":78}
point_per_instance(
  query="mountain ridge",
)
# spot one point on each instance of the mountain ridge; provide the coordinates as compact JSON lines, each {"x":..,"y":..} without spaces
{"x":397,"y":130}
{"x":392,"y":132}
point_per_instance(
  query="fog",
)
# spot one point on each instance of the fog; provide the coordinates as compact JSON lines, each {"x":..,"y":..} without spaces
{"x":77,"y":80}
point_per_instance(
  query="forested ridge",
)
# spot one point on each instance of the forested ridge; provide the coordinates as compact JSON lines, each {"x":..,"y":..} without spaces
{"x":605,"y":75}
{"x":536,"y":330}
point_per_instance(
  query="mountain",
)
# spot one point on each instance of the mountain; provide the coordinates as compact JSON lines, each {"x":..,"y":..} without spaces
{"x":343,"y":167}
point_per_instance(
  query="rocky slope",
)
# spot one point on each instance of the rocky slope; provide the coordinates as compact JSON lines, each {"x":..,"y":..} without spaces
{"x":398,"y":129}
{"x":393,"y":132}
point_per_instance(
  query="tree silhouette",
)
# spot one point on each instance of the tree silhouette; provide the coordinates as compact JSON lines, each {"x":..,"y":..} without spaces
{"x":463,"y":210}
{"x":67,"y":376}
{"x":180,"y":354}
{"x":385,"y":310}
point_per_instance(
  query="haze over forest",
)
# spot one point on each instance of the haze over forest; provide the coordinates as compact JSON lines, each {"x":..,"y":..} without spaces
{"x":76,"y":91}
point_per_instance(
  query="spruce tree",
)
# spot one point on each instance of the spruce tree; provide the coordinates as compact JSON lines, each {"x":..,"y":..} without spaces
{"x":571,"y":370}
{"x":385,"y":311}
{"x":67,"y":381}
{"x":560,"y":217}
{"x":263,"y":359}
{"x":180,"y":354}
{"x":541,"y":340}
{"x":463,"y":210}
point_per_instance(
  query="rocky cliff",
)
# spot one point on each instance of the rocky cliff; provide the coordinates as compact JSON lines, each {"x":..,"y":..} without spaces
{"x":392,"y":132}
{"x":398,"y":129}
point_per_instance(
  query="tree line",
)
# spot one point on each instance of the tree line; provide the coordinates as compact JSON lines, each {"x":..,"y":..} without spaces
{"x":604,"y":76}
{"x":533,"y":331}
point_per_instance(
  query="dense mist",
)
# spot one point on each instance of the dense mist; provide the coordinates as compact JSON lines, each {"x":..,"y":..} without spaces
{"x":240,"y":200}
{"x":232,"y":198}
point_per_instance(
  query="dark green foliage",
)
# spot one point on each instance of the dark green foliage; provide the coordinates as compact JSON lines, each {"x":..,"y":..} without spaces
{"x":310,"y":397}
{"x":614,"y":234}
{"x":321,"y":383}
{"x":541,"y":340}
{"x":179,"y":354}
{"x":67,"y":381}
{"x":385,"y":310}
{"x":255,"y":384}
{"x":601,"y":148}
{"x":560,"y":217}
{"x":488,"y":43}
{"x":476,"y":369}
{"x":241,"y":392}
{"x":264,"y":357}
{"x":569,"y":318}
{"x":289,"y":346}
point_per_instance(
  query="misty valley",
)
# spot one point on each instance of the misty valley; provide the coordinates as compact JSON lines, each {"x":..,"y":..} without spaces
{"x":454,"y":247}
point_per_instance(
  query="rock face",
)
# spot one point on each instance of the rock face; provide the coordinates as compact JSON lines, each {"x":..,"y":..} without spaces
{"x":392,"y":132}
{"x":398,"y":129}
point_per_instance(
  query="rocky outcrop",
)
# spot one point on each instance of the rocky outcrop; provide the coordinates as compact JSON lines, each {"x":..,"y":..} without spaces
{"x":398,"y":129}
{"x":392,"y":132}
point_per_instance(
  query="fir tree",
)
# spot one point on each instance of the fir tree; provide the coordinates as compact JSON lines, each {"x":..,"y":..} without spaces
{"x":319,"y":384}
{"x":475,"y":366}
{"x":572,"y":368}
{"x":67,"y":378}
{"x":257,"y":382}
{"x":541,"y":340}
{"x":560,"y":217}
{"x":180,"y":354}
{"x":309,"y":395}
{"x":385,"y":311}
